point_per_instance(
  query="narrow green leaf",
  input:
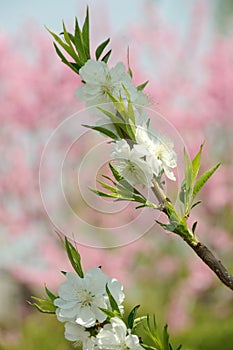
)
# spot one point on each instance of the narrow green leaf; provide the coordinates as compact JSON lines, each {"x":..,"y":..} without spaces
{"x":107,"y":187}
{"x":67,"y":39}
{"x":79,"y":42}
{"x":179,"y":347}
{"x":113,"y":303}
{"x":194,"y":226}
{"x":50,"y":294}
{"x":182,"y":192}
{"x":115,"y":173}
{"x":85,"y":35}
{"x":106,"y":57}
{"x":108,"y":178}
{"x":107,"y":312}
{"x":165,"y":339}
{"x":39,"y":308}
{"x":132,"y":316}
{"x":114,"y":118}
{"x":188,"y":171}
{"x":103,"y":131}
{"x":45,"y":306}
{"x":74,"y":67}
{"x":203,"y":179}
{"x":65,"y":46}
{"x":128,"y":63}
{"x":148,"y":347}
{"x":187,"y":185}
{"x":152,"y":332}
{"x":142,"y":86}
{"x":101,"y":48}
{"x":196,"y":162}
{"x":195,"y":204}
{"x":103,"y":194}
{"x":74,"y":258}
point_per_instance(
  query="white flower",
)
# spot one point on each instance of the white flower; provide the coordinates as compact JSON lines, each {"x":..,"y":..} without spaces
{"x":79,"y":335}
{"x":115,"y":336}
{"x":160,"y":149}
{"x":80,"y":298}
{"x":130,"y":163}
{"x":100,"y":80}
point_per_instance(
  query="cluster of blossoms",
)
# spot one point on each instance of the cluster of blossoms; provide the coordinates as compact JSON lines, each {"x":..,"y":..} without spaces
{"x":80,"y":304}
{"x":139,"y":156}
{"x":90,"y":305}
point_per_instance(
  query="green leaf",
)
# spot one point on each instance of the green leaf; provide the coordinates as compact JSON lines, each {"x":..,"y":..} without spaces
{"x":142,"y":86}
{"x":75,"y":67}
{"x":67,"y":39}
{"x":165,"y":339}
{"x":113,"y":303}
{"x":188,"y":177}
{"x":152,"y":333}
{"x":104,"y":194}
{"x":182,"y":192}
{"x":194,"y":226}
{"x":108,"y":312}
{"x":179,"y":347}
{"x":106,"y":57}
{"x":132,"y":316}
{"x":107,"y":187}
{"x":50,"y":294}
{"x":59,"y":40}
{"x":44,"y":306}
{"x":85,"y":35}
{"x":114,"y":118}
{"x":203,"y":179}
{"x":103,"y":131}
{"x":196,"y":162}
{"x":186,"y":191}
{"x":74,"y":257}
{"x":78,"y":40}
{"x":101,"y":48}
{"x":129,"y":69}
{"x":115,"y":173}
{"x":195,"y":204}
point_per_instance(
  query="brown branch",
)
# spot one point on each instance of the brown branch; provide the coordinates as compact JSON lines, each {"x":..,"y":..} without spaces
{"x":200,"y":249}
{"x":213,"y":263}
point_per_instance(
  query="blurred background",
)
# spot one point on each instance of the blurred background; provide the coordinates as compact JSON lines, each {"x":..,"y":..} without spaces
{"x":185,"y":49}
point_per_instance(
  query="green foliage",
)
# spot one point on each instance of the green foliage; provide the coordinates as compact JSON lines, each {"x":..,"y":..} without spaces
{"x":122,"y":190}
{"x":191,"y":186}
{"x":158,"y":342}
{"x":77,"y":45}
{"x":103,"y":131}
{"x":131,"y":317}
{"x":124,"y":119}
{"x":115,"y":311}
{"x":74,"y":257}
{"x":101,"y":48}
{"x":142,"y":86}
{"x":130,"y":72}
{"x":45,"y":305}
{"x":113,"y":302}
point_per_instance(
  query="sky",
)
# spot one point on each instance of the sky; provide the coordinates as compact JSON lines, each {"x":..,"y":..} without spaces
{"x":13,"y":13}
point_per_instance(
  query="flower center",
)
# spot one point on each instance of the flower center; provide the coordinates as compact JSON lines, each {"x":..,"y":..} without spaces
{"x":85,"y":297}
